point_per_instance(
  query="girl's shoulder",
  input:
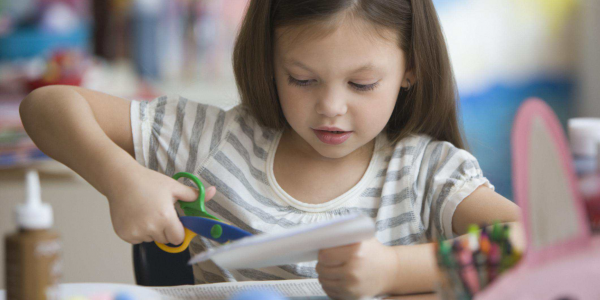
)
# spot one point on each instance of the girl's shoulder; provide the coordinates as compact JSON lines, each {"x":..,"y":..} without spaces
{"x":418,"y":143}
{"x":411,"y":144}
{"x":420,"y":149}
{"x":194,"y":117}
{"x":246,"y":122}
{"x":191,"y":110}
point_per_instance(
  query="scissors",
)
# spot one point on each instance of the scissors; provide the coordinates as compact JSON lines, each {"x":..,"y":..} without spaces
{"x":199,"y":222}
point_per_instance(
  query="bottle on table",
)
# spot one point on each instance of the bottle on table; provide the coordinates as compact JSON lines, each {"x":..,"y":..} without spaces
{"x":33,"y":264}
{"x":584,"y":135}
{"x":589,"y":185}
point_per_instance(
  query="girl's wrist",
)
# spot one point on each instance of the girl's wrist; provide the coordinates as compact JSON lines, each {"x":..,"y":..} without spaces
{"x":414,"y":270}
{"x":392,"y":278}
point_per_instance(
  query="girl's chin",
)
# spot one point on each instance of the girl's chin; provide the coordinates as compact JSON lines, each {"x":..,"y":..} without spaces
{"x":329,"y":152}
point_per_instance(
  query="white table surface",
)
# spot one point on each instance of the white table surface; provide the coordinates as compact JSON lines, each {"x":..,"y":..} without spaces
{"x":68,"y":290}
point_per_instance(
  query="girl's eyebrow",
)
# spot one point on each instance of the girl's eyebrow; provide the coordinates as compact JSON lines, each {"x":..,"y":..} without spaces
{"x":296,"y":63}
{"x":365,"y":67}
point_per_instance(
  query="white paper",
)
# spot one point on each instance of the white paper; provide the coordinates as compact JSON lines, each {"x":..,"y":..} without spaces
{"x":292,"y":246}
{"x":301,"y":289}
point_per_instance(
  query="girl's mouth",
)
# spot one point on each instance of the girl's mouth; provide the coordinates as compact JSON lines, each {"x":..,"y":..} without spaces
{"x":332,"y":137}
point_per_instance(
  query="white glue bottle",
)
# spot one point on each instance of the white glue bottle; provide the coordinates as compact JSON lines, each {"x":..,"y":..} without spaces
{"x":33,"y":264}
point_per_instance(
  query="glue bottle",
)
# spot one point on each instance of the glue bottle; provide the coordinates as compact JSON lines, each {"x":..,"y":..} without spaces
{"x":33,"y":264}
{"x":584,"y":135}
{"x":589,"y":185}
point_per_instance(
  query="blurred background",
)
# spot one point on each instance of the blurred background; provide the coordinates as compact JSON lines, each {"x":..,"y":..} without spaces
{"x":502,"y":51}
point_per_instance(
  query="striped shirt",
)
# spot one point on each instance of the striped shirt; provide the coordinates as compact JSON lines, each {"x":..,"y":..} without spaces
{"x":410,"y":189}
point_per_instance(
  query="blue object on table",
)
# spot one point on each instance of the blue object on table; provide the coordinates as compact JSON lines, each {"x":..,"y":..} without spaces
{"x":258,"y":295}
{"x":124,"y":296}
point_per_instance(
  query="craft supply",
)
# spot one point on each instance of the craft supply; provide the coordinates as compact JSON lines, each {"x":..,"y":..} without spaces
{"x":246,"y":251}
{"x":470,"y":264}
{"x":590,"y":192}
{"x":496,"y":232}
{"x":298,"y":244}
{"x":199,"y":222}
{"x":584,"y":135}
{"x":589,"y":186}
{"x":32,"y":253}
{"x":451,"y":268}
{"x":444,"y":283}
{"x":467,"y":270}
{"x":480,"y":260}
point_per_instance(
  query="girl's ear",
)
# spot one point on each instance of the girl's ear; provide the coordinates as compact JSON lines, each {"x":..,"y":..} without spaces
{"x":408,"y":76}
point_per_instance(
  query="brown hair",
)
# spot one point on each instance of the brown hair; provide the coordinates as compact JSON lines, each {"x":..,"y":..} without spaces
{"x":429,"y":107}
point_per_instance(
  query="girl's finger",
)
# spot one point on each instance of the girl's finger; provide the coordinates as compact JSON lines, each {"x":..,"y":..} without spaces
{"x":188,"y":194}
{"x":174,"y":232}
{"x":148,"y":239}
{"x":185,"y":193}
{"x":159,"y":236}
{"x":332,"y":291}
{"x":329,"y":273}
{"x":334,"y":257}
{"x":134,"y":237}
{"x":134,"y":241}
{"x":210,"y":192}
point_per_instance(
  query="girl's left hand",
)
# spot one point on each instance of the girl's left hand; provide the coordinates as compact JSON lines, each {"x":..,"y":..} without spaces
{"x":358,"y":270}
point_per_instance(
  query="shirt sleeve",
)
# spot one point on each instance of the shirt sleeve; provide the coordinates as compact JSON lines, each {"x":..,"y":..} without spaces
{"x":446,"y":176}
{"x":173,"y":134}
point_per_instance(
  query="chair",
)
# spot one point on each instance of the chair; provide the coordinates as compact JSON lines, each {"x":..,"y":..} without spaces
{"x":154,"y":267}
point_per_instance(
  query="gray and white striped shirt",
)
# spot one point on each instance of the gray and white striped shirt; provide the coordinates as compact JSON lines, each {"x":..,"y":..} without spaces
{"x":410,"y":189}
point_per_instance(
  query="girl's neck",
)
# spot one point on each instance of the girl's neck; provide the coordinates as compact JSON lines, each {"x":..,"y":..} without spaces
{"x":309,"y":177}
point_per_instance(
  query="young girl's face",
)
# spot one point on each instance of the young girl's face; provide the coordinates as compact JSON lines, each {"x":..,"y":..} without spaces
{"x":348,"y":79}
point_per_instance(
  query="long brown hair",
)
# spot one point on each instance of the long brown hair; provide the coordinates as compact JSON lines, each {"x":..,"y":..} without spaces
{"x":429,"y":107}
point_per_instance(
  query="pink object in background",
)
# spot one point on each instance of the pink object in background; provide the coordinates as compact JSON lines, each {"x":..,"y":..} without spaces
{"x":562,"y":259}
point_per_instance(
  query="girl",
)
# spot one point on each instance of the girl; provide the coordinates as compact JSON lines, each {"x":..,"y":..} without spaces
{"x":347,"y":106}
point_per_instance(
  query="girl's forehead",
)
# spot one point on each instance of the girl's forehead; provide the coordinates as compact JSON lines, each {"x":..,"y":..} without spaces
{"x":333,"y":30}
{"x":346,"y":42}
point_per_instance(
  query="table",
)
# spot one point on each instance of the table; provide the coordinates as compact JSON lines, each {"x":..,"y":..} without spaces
{"x":138,"y":292}
{"x":68,"y":290}
{"x":428,"y":296}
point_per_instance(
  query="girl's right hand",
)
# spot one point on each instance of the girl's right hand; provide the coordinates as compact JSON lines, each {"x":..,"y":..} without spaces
{"x":142,"y":210}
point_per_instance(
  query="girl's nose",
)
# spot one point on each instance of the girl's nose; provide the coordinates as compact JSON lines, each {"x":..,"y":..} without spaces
{"x":331,"y":104}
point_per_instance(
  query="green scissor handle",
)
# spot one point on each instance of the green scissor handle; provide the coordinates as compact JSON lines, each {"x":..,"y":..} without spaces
{"x":193,"y":209}
{"x":196,"y":208}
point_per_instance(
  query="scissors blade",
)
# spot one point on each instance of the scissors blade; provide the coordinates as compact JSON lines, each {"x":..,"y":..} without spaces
{"x":207,"y":228}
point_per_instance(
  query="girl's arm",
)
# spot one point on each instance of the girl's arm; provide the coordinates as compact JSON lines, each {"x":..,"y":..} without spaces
{"x":417,"y":269}
{"x":484,"y":206}
{"x":90,"y":132}
{"x":370,"y":268}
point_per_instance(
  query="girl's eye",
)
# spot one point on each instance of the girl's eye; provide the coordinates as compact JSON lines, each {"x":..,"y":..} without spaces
{"x":356,"y":86}
{"x":363,"y":87}
{"x":294,"y":81}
